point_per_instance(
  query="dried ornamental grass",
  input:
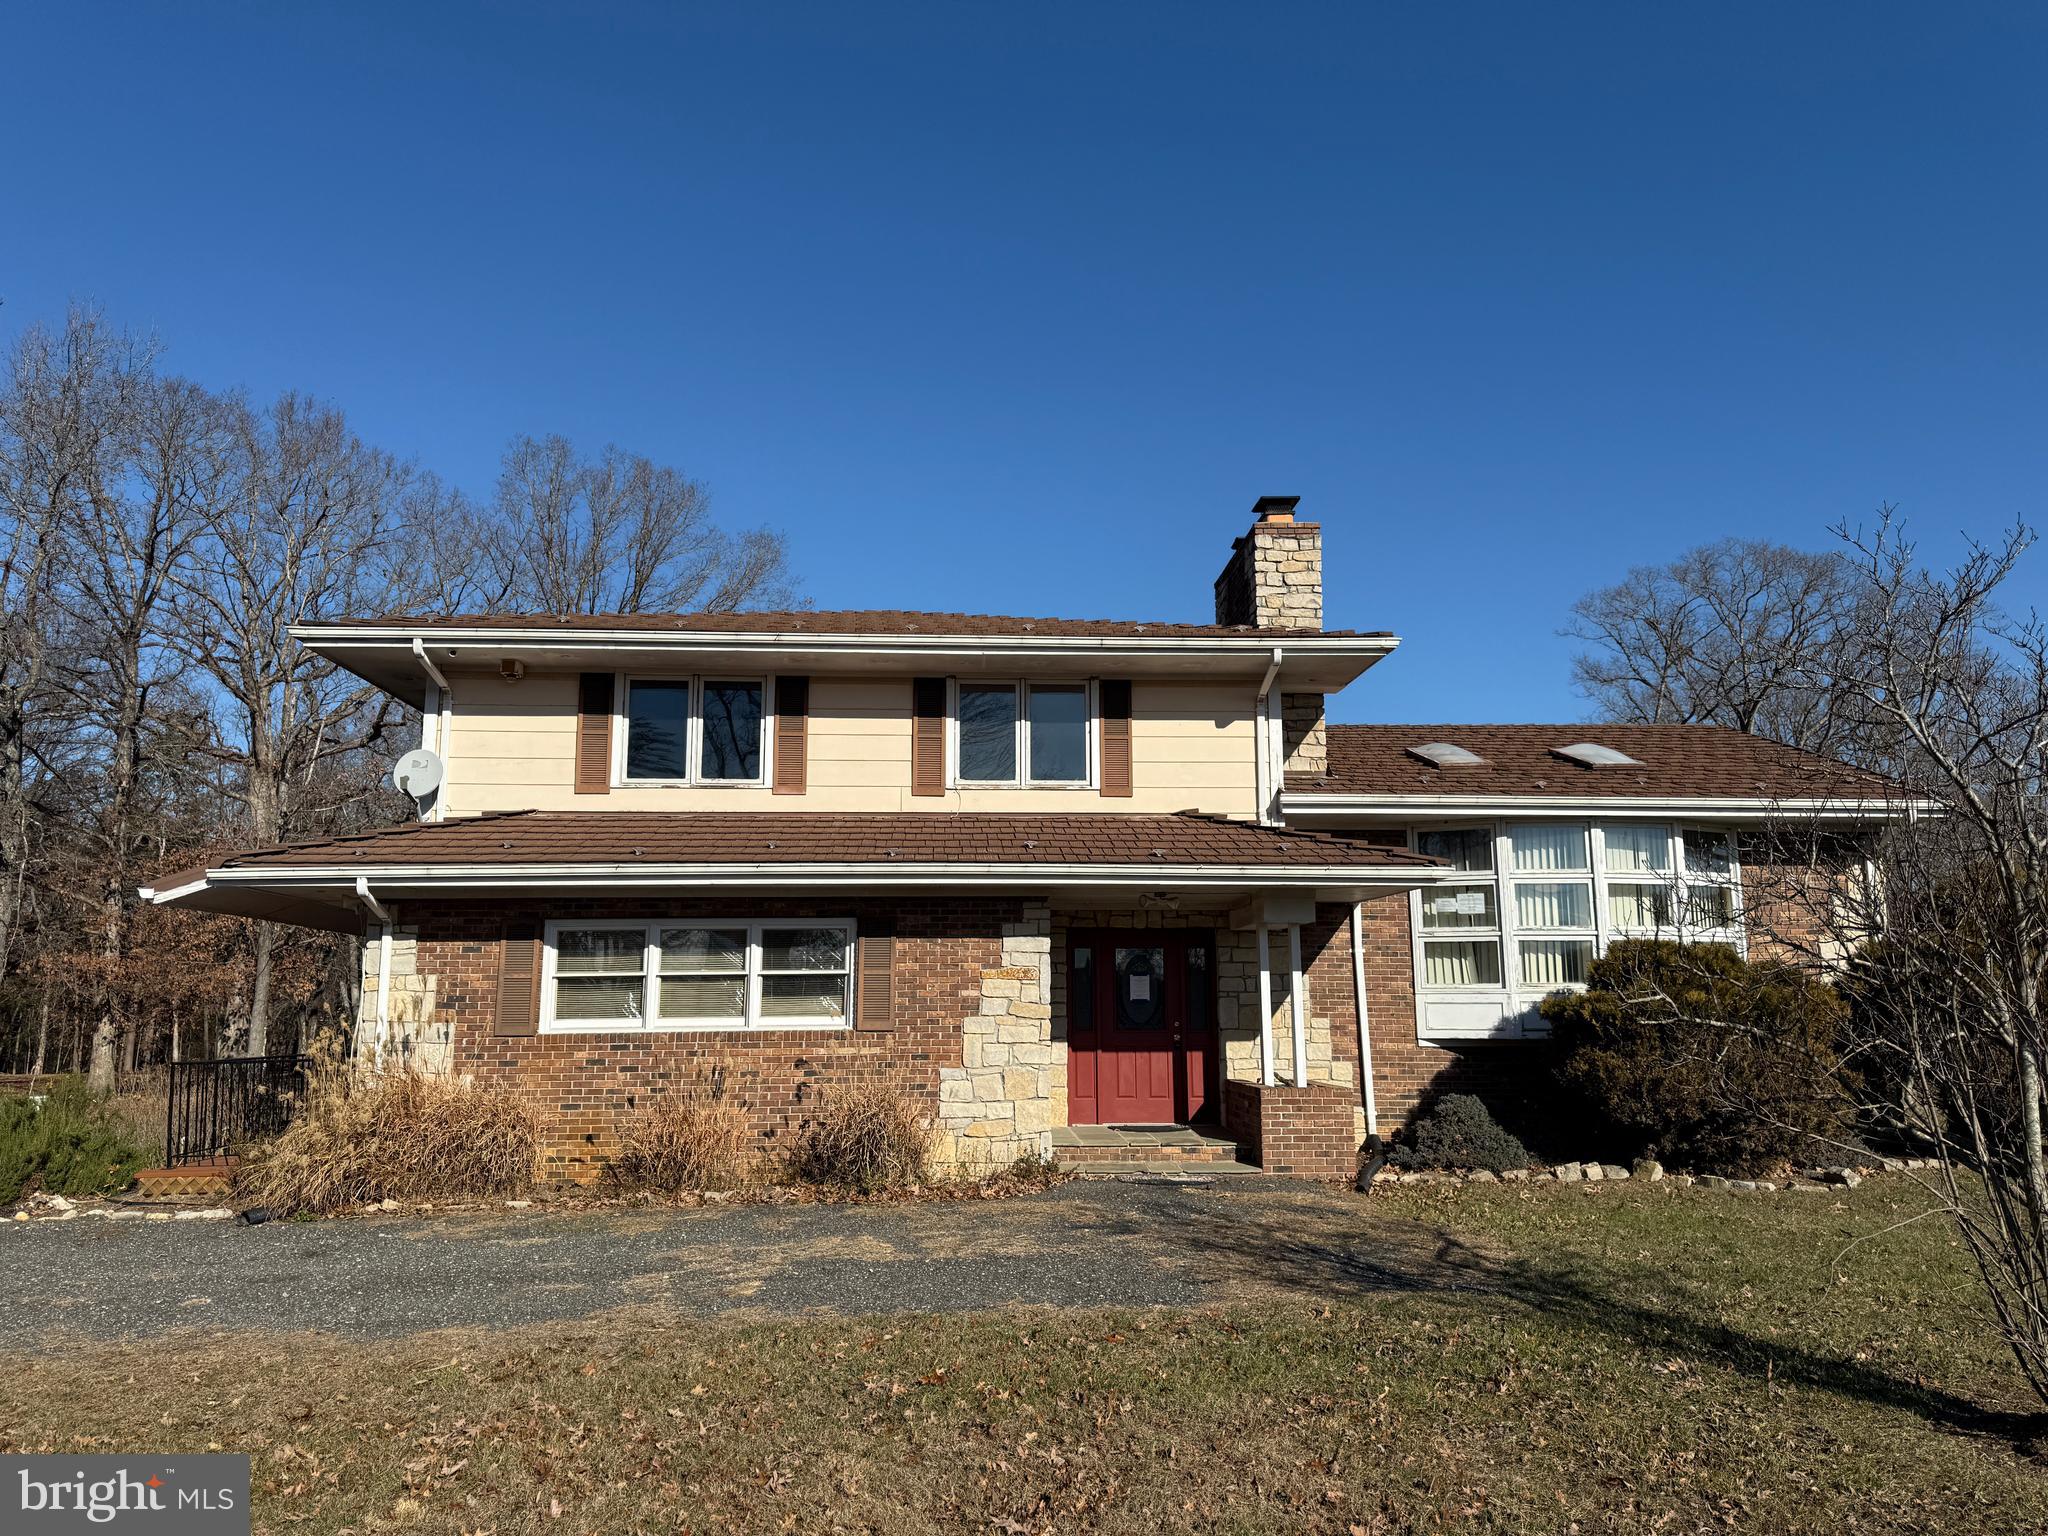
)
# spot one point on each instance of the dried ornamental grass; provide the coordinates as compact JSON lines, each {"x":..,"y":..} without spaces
{"x":396,"y":1136}
{"x":685,"y":1142}
{"x":863,"y":1140}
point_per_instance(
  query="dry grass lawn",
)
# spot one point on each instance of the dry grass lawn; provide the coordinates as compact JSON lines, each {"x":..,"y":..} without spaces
{"x":1627,"y":1360}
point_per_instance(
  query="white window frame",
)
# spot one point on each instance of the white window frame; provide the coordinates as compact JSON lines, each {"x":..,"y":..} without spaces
{"x":1495,"y":935}
{"x":1090,"y":725}
{"x":1516,"y":1000}
{"x":650,"y":976}
{"x":693,"y":734}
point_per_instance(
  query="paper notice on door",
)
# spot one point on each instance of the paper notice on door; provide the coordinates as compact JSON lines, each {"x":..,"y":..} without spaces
{"x":1141,"y":989}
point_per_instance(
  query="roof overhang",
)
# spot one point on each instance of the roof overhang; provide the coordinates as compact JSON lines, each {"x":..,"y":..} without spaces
{"x":1322,"y":808}
{"x":331,"y":896}
{"x":384,"y":655}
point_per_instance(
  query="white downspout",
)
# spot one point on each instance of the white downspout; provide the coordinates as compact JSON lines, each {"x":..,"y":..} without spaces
{"x":1297,"y":1005}
{"x":1372,"y":1108}
{"x":382,"y":913}
{"x":1265,"y":1009}
{"x":444,"y":706}
{"x":1262,"y":736}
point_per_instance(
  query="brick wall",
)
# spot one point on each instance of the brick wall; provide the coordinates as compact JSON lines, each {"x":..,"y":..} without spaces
{"x":587,"y":1088}
{"x":1303,"y":1131}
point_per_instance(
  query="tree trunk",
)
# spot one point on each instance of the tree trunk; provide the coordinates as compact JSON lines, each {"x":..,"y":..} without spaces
{"x":263,"y":943}
{"x":42,"y":1036}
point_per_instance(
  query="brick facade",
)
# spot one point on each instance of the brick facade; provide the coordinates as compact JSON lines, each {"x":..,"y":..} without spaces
{"x":588,"y":1088}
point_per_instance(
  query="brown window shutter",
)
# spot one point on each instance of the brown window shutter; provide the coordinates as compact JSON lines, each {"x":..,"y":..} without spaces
{"x":874,"y":1004}
{"x":792,"y":733}
{"x":594,"y":733}
{"x":1116,"y":736}
{"x":518,"y":979}
{"x":928,"y":736}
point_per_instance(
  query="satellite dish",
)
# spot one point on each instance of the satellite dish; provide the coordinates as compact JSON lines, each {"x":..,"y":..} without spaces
{"x":418,"y":773}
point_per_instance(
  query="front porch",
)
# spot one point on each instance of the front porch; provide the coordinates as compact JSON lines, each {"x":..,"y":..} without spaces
{"x":1109,"y":1150}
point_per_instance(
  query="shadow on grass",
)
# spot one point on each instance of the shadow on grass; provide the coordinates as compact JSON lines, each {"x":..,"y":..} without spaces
{"x":1261,"y":1249}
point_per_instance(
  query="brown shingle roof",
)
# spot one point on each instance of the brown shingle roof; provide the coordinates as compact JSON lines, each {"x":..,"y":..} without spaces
{"x":1675,"y":760}
{"x":812,"y":837}
{"x":855,"y":621}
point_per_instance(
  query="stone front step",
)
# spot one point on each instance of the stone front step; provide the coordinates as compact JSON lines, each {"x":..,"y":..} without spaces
{"x":1085,"y":1148}
{"x":1129,"y":1167}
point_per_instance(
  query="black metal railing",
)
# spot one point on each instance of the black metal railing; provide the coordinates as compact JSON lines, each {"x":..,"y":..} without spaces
{"x":220,"y":1105}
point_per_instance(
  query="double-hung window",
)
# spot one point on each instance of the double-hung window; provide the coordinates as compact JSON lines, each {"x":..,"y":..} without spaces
{"x":1551,"y":876}
{"x":793,"y":973}
{"x":1461,"y":919}
{"x":702,"y":730}
{"x":1641,"y":894}
{"x":1022,"y":734}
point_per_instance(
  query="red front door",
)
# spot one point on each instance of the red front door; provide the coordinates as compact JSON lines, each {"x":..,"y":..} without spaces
{"x":1141,"y":1026}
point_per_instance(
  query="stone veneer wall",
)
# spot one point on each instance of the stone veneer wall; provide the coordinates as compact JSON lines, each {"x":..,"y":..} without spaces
{"x":589,"y":1088}
{"x":420,"y":1035}
{"x":1304,"y":738}
{"x":1010,"y":1088}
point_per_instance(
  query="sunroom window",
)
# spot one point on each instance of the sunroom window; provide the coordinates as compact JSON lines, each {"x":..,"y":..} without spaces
{"x":695,"y":730}
{"x":1553,"y":900}
{"x":1461,"y":919}
{"x":1022,"y":734}
{"x":771,"y":974}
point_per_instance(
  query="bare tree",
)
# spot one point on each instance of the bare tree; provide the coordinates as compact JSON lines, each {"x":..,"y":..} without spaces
{"x":61,"y":411}
{"x":1948,"y":933}
{"x":1740,"y":633}
{"x":310,"y":522}
{"x":618,"y":534}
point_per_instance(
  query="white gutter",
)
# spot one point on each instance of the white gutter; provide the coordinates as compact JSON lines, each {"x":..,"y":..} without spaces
{"x":1262,"y":736}
{"x":322,"y":637}
{"x":1372,"y":1108}
{"x":1314,"y":805}
{"x":382,"y":913}
{"x":444,"y":708}
{"x":564,"y":876}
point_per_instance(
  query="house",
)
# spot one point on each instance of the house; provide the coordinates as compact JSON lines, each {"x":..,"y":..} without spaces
{"x":1038,"y":874}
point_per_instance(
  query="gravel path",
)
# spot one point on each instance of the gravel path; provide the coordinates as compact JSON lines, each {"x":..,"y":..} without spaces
{"x":1082,"y":1244}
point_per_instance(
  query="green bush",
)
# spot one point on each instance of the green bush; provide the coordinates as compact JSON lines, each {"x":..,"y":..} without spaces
{"x":64,"y":1142}
{"x":1459,"y":1132}
{"x":1701,"y":1058}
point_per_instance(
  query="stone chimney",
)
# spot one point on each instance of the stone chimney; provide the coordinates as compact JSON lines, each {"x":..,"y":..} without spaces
{"x":1274,"y":580}
{"x":1274,"y":576}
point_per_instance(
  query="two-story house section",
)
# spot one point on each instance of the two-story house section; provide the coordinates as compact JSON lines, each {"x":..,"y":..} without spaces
{"x":1050,"y":878}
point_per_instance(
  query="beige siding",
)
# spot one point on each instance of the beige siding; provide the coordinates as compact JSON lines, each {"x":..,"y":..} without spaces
{"x":512,"y":747}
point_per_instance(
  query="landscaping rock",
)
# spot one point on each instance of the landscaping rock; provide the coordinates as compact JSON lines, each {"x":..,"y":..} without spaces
{"x":1715,"y":1181}
{"x":1680,"y":1180}
{"x":1746,"y":1186}
{"x":1482,"y":1176}
{"x":1613,"y":1171}
{"x":1568,"y":1173}
{"x":1848,"y":1178}
{"x":387,"y":1204}
{"x":1593,"y":1173}
{"x":1807,"y":1187}
{"x":1649,"y":1168}
{"x":1514,"y":1175}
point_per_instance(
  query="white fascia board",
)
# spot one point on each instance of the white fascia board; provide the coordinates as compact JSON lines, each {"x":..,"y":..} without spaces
{"x":325,"y":639}
{"x":1307,"y":806}
{"x":453,"y":877}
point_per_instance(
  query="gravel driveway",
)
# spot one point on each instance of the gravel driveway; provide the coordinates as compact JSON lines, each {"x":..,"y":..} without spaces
{"x":1081,"y":1244}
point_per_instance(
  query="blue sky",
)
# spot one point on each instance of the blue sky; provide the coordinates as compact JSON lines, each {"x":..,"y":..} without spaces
{"x":1019,"y":308}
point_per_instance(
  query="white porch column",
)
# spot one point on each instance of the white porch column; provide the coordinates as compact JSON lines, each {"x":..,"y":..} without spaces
{"x":1265,"y":1009}
{"x":1297,"y":1013}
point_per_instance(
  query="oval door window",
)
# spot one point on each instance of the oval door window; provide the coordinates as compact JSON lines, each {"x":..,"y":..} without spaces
{"x":1139,"y":977}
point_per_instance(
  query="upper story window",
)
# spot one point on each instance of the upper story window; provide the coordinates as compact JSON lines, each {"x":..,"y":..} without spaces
{"x":702,"y":730}
{"x":1009,"y":734}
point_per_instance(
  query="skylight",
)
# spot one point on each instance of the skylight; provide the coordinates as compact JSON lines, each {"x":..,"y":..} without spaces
{"x":1593,"y":755}
{"x":1443,"y":755}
